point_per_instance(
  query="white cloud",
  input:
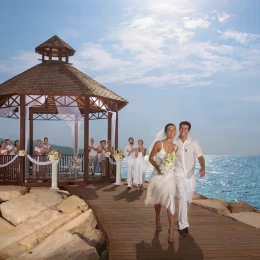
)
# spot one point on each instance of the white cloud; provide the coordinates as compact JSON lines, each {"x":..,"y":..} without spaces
{"x":223,"y":17}
{"x":240,"y":37}
{"x":195,"y":23}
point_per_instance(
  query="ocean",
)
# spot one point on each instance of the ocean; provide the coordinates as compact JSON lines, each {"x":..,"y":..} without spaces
{"x":228,"y":177}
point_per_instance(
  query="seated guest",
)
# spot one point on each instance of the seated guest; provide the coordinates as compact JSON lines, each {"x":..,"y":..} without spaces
{"x":3,"y":150}
{"x":16,"y":147}
{"x":9,"y":147}
{"x":93,"y":154}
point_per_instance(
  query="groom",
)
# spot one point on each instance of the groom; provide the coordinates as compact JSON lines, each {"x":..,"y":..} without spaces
{"x":189,"y":150}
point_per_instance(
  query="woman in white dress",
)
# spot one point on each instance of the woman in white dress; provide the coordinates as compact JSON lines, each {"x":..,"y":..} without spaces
{"x":139,"y":169}
{"x":3,"y":150}
{"x":16,"y":147}
{"x":161,"y":189}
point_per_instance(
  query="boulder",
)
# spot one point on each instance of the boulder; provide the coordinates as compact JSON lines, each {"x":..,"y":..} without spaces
{"x":212,"y":205}
{"x":240,"y":206}
{"x":197,"y":196}
{"x":223,"y":202}
{"x":249,"y":218}
{"x":11,"y":192}
{"x":61,"y":245}
{"x":73,"y":203}
{"x":12,"y":251}
{"x":105,"y":255}
{"x":65,"y":194}
{"x":96,"y":238}
{"x":5,"y":226}
{"x":21,"y":208}
{"x":29,"y":226}
{"x":35,"y":238}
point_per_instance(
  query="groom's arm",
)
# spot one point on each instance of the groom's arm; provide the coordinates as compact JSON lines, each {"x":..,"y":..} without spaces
{"x":202,"y":166}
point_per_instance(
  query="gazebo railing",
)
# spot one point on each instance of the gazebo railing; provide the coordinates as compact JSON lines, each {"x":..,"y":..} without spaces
{"x":10,"y":172}
{"x":42,"y":173}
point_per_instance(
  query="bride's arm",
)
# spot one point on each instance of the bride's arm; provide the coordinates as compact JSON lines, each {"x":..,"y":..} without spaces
{"x":156,"y":149}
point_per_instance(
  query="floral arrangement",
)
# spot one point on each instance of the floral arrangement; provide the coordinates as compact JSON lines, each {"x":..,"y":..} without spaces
{"x":22,"y":153}
{"x":118,"y":154}
{"x":54,"y":155}
{"x":76,"y":159}
{"x":168,"y":164}
{"x":107,"y":154}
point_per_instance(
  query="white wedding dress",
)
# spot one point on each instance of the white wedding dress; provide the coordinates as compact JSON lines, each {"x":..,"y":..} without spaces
{"x":161,"y":188}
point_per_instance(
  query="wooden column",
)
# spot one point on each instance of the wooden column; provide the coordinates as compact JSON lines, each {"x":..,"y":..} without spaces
{"x":86,"y":138}
{"x":22,"y":138}
{"x":60,"y":55}
{"x":116,"y":137}
{"x":76,"y":136}
{"x":31,"y":130}
{"x":109,"y":124}
{"x":50,"y":57}
{"x":67,"y":57}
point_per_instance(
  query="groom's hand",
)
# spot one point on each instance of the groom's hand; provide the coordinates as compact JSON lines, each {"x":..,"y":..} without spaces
{"x":202,"y":172}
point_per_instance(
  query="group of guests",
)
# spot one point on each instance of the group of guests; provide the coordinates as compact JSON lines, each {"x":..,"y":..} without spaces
{"x":135,"y":163}
{"x":97,"y":155}
{"x":9,"y":149}
{"x":42,"y":149}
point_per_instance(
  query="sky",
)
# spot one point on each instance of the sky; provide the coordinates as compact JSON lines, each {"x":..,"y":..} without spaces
{"x":195,"y":60}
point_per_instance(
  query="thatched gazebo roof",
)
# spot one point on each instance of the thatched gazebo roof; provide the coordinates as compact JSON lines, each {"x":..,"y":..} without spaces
{"x":53,"y":78}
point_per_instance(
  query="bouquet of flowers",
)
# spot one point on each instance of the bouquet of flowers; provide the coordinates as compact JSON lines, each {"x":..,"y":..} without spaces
{"x":118,"y":154}
{"x":54,"y":155}
{"x":107,"y":154}
{"x":22,"y":153}
{"x":76,"y":159}
{"x":168,"y":164}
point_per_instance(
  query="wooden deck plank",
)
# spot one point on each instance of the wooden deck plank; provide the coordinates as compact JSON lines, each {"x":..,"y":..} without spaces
{"x":130,"y":228}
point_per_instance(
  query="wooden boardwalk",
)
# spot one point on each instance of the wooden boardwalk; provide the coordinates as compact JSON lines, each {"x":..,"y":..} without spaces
{"x":130,"y":229}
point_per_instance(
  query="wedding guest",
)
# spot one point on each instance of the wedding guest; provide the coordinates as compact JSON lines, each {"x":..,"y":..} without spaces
{"x":46,"y":146}
{"x":9,"y":147}
{"x":39,"y":150}
{"x":103,"y":157}
{"x":16,"y":147}
{"x":130,"y":160}
{"x":93,"y":154}
{"x":99,"y":160}
{"x":139,"y":169}
{"x":110,"y":149}
{"x":3,"y":150}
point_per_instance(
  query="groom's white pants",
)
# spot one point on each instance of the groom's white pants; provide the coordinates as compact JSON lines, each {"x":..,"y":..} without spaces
{"x":130,"y":167}
{"x":185,"y":190}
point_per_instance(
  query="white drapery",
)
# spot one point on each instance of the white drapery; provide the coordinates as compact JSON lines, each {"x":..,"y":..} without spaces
{"x":6,"y":164}
{"x":69,"y":111}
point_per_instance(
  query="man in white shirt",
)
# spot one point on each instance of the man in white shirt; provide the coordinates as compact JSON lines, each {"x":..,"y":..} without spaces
{"x":9,"y":147}
{"x":189,"y":150}
{"x":130,"y":160}
{"x":93,"y":155}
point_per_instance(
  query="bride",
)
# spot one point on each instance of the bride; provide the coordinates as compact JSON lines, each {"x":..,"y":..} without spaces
{"x":161,"y":189}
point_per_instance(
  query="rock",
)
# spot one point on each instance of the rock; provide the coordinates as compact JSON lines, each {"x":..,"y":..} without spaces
{"x":240,"y":206}
{"x":197,"y":196}
{"x":11,"y":192}
{"x":249,"y":218}
{"x":212,"y":205}
{"x":12,"y":250}
{"x":5,"y":226}
{"x":72,"y":203}
{"x":35,"y":238}
{"x":105,"y":255}
{"x":64,"y":194}
{"x":96,"y":238}
{"x":223,"y":202}
{"x":256,"y":210}
{"x":29,"y":226}
{"x":21,"y":208}
{"x":61,"y":245}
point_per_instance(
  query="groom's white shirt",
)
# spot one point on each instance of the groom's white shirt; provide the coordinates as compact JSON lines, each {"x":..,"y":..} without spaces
{"x":186,"y":157}
{"x":130,"y":158}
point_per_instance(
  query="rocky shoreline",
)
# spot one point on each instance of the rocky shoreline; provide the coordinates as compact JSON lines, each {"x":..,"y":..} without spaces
{"x":40,"y":223}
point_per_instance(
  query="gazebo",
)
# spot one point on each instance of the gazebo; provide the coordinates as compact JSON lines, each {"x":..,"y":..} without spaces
{"x":55,"y":90}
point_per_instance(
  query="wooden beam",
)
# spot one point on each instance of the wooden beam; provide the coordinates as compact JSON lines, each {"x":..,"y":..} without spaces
{"x":22,"y":138}
{"x":31,"y":130}
{"x":116,"y":137}
{"x":60,"y":55}
{"x":86,"y":138}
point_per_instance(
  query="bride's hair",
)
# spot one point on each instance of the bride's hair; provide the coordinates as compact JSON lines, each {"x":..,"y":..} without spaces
{"x":165,"y":128}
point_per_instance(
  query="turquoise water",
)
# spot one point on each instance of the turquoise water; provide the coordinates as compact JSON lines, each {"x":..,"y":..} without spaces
{"x":232,"y":178}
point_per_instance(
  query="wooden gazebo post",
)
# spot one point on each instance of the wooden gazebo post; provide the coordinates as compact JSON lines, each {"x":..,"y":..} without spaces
{"x":116,"y":137}
{"x":86,"y":137}
{"x":31,"y":130}
{"x":22,"y":138}
{"x":109,"y":124}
